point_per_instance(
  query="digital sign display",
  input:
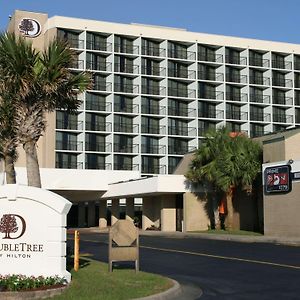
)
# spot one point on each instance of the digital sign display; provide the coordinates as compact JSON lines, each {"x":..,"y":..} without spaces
{"x":278,"y":179}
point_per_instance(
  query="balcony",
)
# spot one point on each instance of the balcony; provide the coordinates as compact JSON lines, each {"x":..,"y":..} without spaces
{"x":102,"y":86}
{"x":153,"y":149}
{"x":125,"y":127}
{"x":126,"y":108}
{"x":258,"y":132}
{"x":282,"y":82}
{"x":211,"y":114}
{"x":154,"y":169}
{"x":97,"y":166}
{"x":212,"y":76}
{"x":154,"y":71}
{"x":239,"y":97}
{"x":69,"y":145}
{"x":97,"y":126}
{"x":126,"y":88}
{"x":99,"y":46}
{"x":297,"y":65}
{"x":77,"y":64}
{"x":297,"y":118}
{"x":236,"y":60}
{"x":182,"y":54}
{"x":97,"y":146}
{"x":217,"y":58}
{"x":75,"y":43}
{"x":279,"y":64}
{"x":257,"y":98}
{"x":153,"y":90}
{"x":99,"y":66}
{"x":260,"y":117}
{"x":96,"y":105}
{"x":183,"y":93}
{"x":126,"y":166}
{"x":69,"y":124}
{"x":236,"y":78}
{"x":182,"y":130}
{"x":182,"y":112}
{"x":153,"y":109}
{"x":65,"y":164}
{"x":181,"y":73}
{"x":203,"y":130}
{"x":236,"y":115}
{"x":148,"y":129}
{"x":154,"y":51}
{"x":129,"y":49}
{"x":282,"y":118}
{"x":283,"y":100}
{"x":129,"y":148}
{"x":297,"y":99}
{"x":211,"y":95}
{"x":126,"y":68}
{"x":259,"y":62}
{"x":260,"y":80}
{"x":180,"y":149}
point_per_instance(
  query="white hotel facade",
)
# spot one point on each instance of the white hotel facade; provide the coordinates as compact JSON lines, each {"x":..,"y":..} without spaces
{"x":157,"y":90}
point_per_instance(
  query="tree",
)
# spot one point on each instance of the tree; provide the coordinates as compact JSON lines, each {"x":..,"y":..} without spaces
{"x":226,"y":162}
{"x":40,"y":83}
{"x":26,"y":26}
{"x":8,"y":225}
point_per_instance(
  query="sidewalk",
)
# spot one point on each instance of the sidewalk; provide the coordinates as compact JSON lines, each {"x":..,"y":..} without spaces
{"x":292,"y":241}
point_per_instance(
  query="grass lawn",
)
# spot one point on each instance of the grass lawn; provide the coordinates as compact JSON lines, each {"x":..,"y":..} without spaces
{"x":94,"y":282}
{"x":234,"y":232}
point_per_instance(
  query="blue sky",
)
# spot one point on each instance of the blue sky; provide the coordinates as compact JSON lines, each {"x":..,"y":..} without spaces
{"x":276,"y":20}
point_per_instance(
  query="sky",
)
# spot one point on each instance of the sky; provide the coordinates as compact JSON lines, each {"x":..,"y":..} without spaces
{"x":276,"y":20}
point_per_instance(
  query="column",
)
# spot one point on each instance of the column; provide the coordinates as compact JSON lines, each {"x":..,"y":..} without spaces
{"x":168,"y":213}
{"x":114,"y":211}
{"x":129,"y":209}
{"x":147,"y":217}
{"x":81,"y":214}
{"x":91,"y":214}
{"x":102,"y":214}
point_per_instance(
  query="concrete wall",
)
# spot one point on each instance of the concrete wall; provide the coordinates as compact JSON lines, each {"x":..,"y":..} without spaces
{"x":274,"y":149}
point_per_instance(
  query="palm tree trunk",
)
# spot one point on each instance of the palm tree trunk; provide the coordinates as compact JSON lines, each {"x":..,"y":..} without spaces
{"x":229,"y":199}
{"x":10,"y":173}
{"x":32,"y":164}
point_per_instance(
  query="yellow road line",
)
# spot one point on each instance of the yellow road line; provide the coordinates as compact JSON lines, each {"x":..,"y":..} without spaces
{"x":211,"y":256}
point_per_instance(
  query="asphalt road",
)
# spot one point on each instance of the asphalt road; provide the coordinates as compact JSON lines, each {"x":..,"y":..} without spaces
{"x":220,"y":269}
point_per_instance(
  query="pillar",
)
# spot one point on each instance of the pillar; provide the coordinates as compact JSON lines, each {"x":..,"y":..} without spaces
{"x":102,"y":214}
{"x":147,"y":218}
{"x":114,"y":211}
{"x":168,"y":213}
{"x":91,"y":214}
{"x":81,"y":214}
{"x":129,"y":209}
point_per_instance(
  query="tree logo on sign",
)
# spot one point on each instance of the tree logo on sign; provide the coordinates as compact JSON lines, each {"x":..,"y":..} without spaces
{"x":9,"y":226}
{"x":30,"y":27}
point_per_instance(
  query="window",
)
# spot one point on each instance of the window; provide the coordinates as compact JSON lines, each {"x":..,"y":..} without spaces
{"x":96,"y":42}
{"x":95,"y":142}
{"x":66,"y":161}
{"x":150,"y":125}
{"x":95,"y":122}
{"x":94,"y":161}
{"x":67,"y":141}
{"x":206,"y":53}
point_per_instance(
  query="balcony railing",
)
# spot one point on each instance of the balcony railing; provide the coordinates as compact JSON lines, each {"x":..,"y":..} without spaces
{"x":126,"y":166}
{"x":257,"y":98}
{"x":65,"y":164}
{"x":130,"y":49}
{"x":99,"y":66}
{"x":236,"y":115}
{"x":211,"y":95}
{"x":98,"y":146}
{"x":153,"y":51}
{"x":153,"y":109}
{"x":69,"y":145}
{"x":236,"y":78}
{"x":211,"y":113}
{"x":153,"y":149}
{"x":180,"y":149}
{"x":98,"y":105}
{"x":182,"y":130}
{"x":127,"y":128}
{"x":153,"y":90}
{"x":97,"y":126}
{"x":153,"y":129}
{"x":97,"y":165}
{"x":127,"y":108}
{"x":259,"y":62}
{"x":260,"y":80}
{"x":218,"y":58}
{"x":99,"y":46}
{"x":154,"y":169}
{"x":236,"y":60}
{"x":183,"y":111}
{"x":278,"y":64}
{"x":240,"y":97}
{"x":69,"y":125}
{"x":282,"y":82}
{"x":212,"y":76}
{"x":126,"y":68}
{"x":154,"y":71}
{"x":283,"y":100}
{"x":282,"y":118}
{"x":77,"y":64}
{"x":129,"y":148}
{"x":184,"y":93}
{"x":181,"y":73}
{"x":260,"y":117}
{"x":126,"y":88}
{"x":75,"y":43}
{"x":182,"y":54}
{"x":102,"y":86}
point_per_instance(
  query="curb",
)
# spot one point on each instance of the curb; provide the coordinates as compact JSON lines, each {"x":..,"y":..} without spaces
{"x":171,"y":293}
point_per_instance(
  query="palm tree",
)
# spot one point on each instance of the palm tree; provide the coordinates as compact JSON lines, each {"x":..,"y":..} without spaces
{"x":41,"y":82}
{"x":227,"y":162}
